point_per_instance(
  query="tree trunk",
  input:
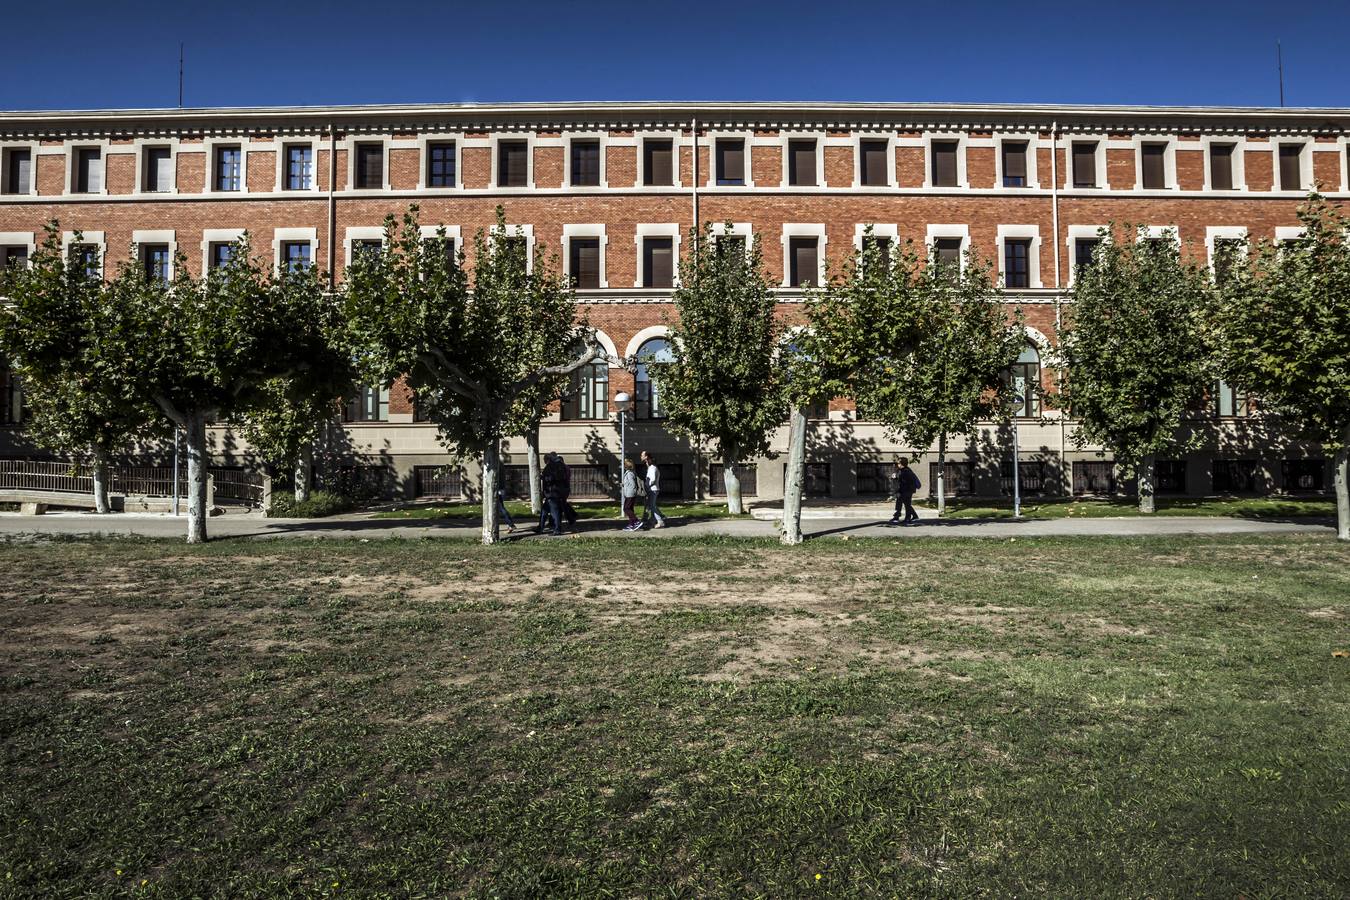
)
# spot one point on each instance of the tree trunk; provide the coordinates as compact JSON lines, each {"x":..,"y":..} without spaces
{"x":942,"y":475}
{"x":491,"y":467}
{"x":532,"y":459}
{"x":796,"y":477}
{"x":1146,"y":466}
{"x":1341,"y":479}
{"x":732,"y":483}
{"x":304,"y":468}
{"x":101,"y":504}
{"x":196,"y":475}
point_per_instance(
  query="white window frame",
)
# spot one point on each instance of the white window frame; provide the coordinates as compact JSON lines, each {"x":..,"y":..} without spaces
{"x":217,"y":236}
{"x":1342,"y":149}
{"x":495,"y":183}
{"x":1103,"y":179}
{"x":165,"y":236}
{"x":294,"y":235}
{"x":1019,"y":233}
{"x":568,"y":139}
{"x":356,"y":234}
{"x":1289,"y":233}
{"x":282,"y":145}
{"x":643,"y":336}
{"x":1158,"y":232}
{"x":94,"y":238}
{"x":658,"y":230}
{"x":1215,"y":233}
{"x":748,"y":137}
{"x":424,"y":142}
{"x":1305,"y":166}
{"x":142,"y":145}
{"x":933,"y":232}
{"x":452,"y":232}
{"x":677,"y":142}
{"x":1075,"y":233}
{"x":737,"y":229}
{"x":19,"y":238}
{"x":858,"y":138}
{"x":591,"y":230}
{"x":209,"y":145}
{"x":818,"y":137}
{"x":1239,"y":143}
{"x":72,"y":149}
{"x":879,"y":230}
{"x":1169,"y":161}
{"x":1031,"y":139}
{"x":33,"y":148}
{"x":961,"y":139}
{"x":350,"y":144}
{"x":520,"y":230}
{"x":804,"y":230}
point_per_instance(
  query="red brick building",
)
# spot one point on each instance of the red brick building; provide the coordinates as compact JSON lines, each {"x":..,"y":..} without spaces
{"x":613,"y":189}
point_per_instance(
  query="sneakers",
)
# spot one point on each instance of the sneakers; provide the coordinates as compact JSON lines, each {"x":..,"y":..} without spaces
{"x":660,"y":523}
{"x":893,"y":522}
{"x":636,"y":526}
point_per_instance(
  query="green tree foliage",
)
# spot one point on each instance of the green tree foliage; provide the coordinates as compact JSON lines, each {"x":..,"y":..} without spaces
{"x":726,"y":381}
{"x":1135,"y":351}
{"x":289,"y":415}
{"x":76,"y":380}
{"x":1282,"y":325}
{"x":479,"y":350}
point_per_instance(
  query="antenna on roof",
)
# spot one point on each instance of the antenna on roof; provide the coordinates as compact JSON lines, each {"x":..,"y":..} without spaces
{"x":180,"y":75}
{"x":1279,"y":58}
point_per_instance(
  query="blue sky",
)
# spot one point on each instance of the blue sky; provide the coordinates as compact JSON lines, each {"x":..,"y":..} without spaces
{"x":107,"y":54}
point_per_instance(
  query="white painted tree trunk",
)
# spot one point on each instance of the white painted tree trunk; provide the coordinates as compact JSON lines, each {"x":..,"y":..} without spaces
{"x":304,"y":471}
{"x":1146,"y":467}
{"x":942,"y":475}
{"x":1341,"y":480}
{"x":491,"y":472}
{"x":196,"y":476}
{"x":796,"y":477}
{"x":732,"y":485}
{"x":532,"y":460}
{"x":101,"y":504}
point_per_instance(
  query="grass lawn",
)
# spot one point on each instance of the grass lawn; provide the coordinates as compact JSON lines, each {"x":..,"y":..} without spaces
{"x":1074,"y":507}
{"x":1068,"y":717}
{"x":520,"y":511}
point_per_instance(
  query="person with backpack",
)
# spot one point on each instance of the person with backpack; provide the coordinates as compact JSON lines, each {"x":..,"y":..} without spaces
{"x":906,"y":484}
{"x":628,"y":489}
{"x":553,"y":480}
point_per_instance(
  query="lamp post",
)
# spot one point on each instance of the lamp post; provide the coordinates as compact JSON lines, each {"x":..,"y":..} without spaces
{"x":1016,"y":407}
{"x":622,"y":402}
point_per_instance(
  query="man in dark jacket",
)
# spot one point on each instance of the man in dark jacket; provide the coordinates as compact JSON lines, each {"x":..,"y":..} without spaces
{"x":906,"y":483}
{"x":553,"y":481}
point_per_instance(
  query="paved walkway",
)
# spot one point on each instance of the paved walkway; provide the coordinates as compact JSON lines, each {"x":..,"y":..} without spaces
{"x":362,"y":526}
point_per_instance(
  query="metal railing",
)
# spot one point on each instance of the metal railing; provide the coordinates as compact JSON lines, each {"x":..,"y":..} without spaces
{"x":232,"y":483}
{"x":59,"y":477}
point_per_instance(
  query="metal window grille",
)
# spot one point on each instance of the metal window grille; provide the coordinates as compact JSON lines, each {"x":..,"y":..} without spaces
{"x":438,"y":481}
{"x":1094,"y":478}
{"x":746,"y":473}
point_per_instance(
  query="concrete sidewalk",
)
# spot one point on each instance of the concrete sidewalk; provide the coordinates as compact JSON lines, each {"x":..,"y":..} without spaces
{"x":362,"y":526}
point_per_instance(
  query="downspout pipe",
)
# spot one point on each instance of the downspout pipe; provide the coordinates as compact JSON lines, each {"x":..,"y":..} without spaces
{"x":693,"y":133}
{"x":1059,"y":298}
{"x":332,"y":206}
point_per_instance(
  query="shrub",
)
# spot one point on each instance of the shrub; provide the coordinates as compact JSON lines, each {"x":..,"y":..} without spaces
{"x":319,"y":504}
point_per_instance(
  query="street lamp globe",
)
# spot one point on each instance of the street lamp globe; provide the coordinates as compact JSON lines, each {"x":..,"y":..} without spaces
{"x":622,"y":401}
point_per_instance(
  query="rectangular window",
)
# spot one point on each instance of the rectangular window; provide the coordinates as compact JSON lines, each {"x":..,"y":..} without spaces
{"x":1153,"y":166}
{"x":747,"y":474}
{"x":878,"y":248}
{"x":85,"y":258}
{"x":585,"y":164}
{"x":516,"y":247}
{"x":1235,"y":476}
{"x":584,"y":262}
{"x":441,"y":164}
{"x":371,"y":404}
{"x":658,"y":162}
{"x":1017,"y":263}
{"x":229,"y":168}
{"x":1083,"y":248}
{"x":369,"y":166}
{"x":874,"y":478}
{"x":18,"y":171}
{"x":802,"y":163}
{"x":1221,"y":167}
{"x":14,"y":256}
{"x":658,"y":262}
{"x":371,"y":246}
{"x":445,"y":482}
{"x":1302,"y":475}
{"x":444,"y":246}
{"x":730,"y":161}
{"x":1014,"y":163}
{"x":947,"y":252}
{"x":221,"y":254}
{"x":874,"y":166}
{"x":1085,"y":164}
{"x":731,"y":243}
{"x":11,"y":398}
{"x":1030,"y":477}
{"x":1169,"y":476}
{"x":295,"y":255}
{"x":944,"y":163}
{"x":1092,"y":478}
{"x":587,"y":396}
{"x":1291,"y":169}
{"x":1227,"y":258}
{"x":817,"y":481}
{"x":1229,"y":401}
{"x":956,"y":479}
{"x":513,"y":163}
{"x":155,"y":262}
{"x":804,"y":258}
{"x":158,"y":174}
{"x":299,"y":167}
{"x":88,"y":170}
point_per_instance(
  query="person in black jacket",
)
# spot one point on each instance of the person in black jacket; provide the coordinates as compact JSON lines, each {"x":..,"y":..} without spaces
{"x":553,"y":481}
{"x":906,"y":483}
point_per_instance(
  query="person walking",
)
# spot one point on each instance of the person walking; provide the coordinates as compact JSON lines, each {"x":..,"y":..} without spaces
{"x":553,"y":481}
{"x":652,"y":507}
{"x":503,"y":513}
{"x":628,"y":490}
{"x":906,"y":483}
{"x":569,"y":512}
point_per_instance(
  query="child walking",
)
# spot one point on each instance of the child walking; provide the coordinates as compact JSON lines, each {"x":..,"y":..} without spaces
{"x":629,"y":491}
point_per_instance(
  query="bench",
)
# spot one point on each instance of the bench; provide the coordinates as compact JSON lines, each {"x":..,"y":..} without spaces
{"x":35,"y":503}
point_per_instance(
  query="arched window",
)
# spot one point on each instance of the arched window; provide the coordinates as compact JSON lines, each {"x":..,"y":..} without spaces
{"x":1026,"y":381}
{"x":647,"y":401}
{"x":587,"y":396}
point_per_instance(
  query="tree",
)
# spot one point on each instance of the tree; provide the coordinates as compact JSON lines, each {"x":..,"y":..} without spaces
{"x":287,"y":419}
{"x":1283,"y":329}
{"x":77,"y":382}
{"x":474,"y":354}
{"x":1135,"y":352}
{"x":725,"y":384}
